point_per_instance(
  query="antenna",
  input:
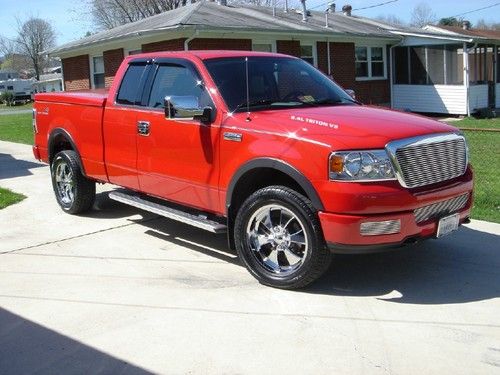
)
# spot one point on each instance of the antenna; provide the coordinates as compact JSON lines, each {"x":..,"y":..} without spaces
{"x":248,"y":89}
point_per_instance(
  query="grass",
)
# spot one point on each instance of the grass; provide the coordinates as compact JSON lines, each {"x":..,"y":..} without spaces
{"x":8,"y":197}
{"x":484,"y":149}
{"x":16,"y":128}
{"x":18,"y":107}
{"x":471,"y":122}
{"x":484,"y":153}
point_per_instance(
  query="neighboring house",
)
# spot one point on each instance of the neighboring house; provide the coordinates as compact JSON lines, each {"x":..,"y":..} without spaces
{"x":356,"y":51}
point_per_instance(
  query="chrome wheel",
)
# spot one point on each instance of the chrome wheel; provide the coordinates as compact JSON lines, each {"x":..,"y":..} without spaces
{"x":64,"y":182}
{"x":277,"y":239}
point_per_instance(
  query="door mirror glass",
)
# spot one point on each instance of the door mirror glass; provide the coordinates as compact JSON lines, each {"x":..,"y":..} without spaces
{"x":186,"y":107}
{"x":351,"y":93}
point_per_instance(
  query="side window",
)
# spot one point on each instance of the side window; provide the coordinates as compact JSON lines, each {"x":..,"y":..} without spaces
{"x":176,"y":80}
{"x":128,"y":92}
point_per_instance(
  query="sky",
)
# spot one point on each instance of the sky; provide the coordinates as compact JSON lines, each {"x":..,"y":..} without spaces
{"x":71,"y":19}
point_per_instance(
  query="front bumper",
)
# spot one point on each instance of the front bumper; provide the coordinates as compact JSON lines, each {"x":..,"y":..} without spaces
{"x":342,"y":232}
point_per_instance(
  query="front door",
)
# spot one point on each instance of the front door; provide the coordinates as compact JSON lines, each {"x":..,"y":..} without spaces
{"x":120,"y":126}
{"x":177,"y":158}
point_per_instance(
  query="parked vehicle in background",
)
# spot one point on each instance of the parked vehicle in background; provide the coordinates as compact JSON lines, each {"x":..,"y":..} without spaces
{"x":263,"y":147}
{"x":21,"y":89}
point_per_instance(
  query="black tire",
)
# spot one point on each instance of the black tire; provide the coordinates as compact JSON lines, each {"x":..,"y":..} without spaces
{"x":76,"y":193}
{"x":310,"y":253}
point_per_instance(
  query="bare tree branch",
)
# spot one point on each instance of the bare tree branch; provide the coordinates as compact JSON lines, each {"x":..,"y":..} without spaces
{"x":422,"y":15}
{"x":34,"y":36}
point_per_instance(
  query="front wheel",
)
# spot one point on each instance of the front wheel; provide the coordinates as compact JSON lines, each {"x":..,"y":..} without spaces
{"x":279,"y":238}
{"x":74,"y":192}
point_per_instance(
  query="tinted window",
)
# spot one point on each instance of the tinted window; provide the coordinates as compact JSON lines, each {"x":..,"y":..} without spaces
{"x":277,"y":82}
{"x":177,"y":80}
{"x":128,"y":93}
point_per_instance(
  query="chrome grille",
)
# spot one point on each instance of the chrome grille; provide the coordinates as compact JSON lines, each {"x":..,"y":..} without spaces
{"x":428,"y":160}
{"x":439,"y":209}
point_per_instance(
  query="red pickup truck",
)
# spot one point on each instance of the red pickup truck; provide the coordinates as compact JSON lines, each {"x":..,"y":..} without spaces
{"x":261,"y":146}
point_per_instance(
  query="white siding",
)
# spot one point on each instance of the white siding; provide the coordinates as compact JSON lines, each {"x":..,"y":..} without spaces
{"x":497,"y":95}
{"x":434,"y":99}
{"x":478,"y":97}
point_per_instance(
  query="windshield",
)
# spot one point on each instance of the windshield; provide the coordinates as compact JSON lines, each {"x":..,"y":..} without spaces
{"x":273,"y":82}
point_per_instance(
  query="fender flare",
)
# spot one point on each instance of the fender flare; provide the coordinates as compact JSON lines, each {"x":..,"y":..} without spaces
{"x":281,"y":166}
{"x":50,"y":145}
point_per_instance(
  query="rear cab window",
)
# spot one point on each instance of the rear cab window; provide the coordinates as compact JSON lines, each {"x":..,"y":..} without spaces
{"x":130,"y":91}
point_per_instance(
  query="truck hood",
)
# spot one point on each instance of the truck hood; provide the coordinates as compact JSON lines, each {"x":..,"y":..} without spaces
{"x":345,"y":126}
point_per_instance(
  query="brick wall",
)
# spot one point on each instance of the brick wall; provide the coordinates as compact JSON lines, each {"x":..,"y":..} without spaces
{"x":164,"y":45}
{"x":342,"y":62}
{"x":288,"y":47}
{"x":373,"y":92}
{"x":76,"y":73}
{"x":227,"y":44}
{"x":112,"y":60}
{"x":344,"y":72}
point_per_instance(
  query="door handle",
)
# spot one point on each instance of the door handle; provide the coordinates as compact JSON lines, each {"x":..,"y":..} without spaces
{"x":143,"y":128}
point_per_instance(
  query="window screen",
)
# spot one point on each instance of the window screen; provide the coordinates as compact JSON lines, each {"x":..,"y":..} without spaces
{"x":128,"y":93}
{"x":361,"y":62}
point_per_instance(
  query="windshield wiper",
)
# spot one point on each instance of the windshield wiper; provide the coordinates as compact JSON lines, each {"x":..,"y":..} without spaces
{"x":255,"y":103}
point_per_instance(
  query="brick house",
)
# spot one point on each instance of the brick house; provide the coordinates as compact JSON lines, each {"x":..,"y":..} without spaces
{"x":357,"y":52}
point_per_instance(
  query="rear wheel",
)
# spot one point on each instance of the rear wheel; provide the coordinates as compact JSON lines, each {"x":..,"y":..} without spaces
{"x":279,"y":238}
{"x":74,"y":192}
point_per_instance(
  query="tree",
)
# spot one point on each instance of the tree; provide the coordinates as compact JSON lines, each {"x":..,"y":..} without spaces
{"x":108,"y":14}
{"x":450,"y":21}
{"x":422,"y":15}
{"x":484,"y":25}
{"x":35,"y":36}
{"x":391,"y":19}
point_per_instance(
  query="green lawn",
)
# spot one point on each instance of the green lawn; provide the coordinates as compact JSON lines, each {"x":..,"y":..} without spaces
{"x":19,"y":107}
{"x":16,"y":128}
{"x":484,"y":147}
{"x":485,"y":158}
{"x":8,"y":197}
{"x":471,"y":122}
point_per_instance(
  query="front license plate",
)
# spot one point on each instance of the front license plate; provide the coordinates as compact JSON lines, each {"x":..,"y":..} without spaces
{"x":447,"y":225}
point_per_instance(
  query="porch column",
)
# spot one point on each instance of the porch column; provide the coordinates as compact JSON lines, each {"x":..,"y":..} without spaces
{"x":466,"y":78}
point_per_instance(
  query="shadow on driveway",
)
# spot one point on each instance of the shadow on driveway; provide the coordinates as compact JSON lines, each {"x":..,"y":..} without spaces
{"x":11,"y":167}
{"x":29,"y":348}
{"x":462,"y":267}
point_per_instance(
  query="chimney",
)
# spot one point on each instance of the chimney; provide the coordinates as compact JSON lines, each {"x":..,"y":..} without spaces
{"x":346,"y":9}
{"x":286,"y":6}
{"x":466,"y":25}
{"x":304,"y":11}
{"x":222,"y":2}
{"x":331,"y":7}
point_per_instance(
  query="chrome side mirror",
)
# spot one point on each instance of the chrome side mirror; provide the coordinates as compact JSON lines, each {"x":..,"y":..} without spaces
{"x":186,"y":107}
{"x":351,"y":93}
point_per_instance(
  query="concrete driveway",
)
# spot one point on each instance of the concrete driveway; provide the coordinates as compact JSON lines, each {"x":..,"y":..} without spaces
{"x":121,"y":291}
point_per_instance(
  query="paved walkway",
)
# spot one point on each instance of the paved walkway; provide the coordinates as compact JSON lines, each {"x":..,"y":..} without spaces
{"x":122,"y":291}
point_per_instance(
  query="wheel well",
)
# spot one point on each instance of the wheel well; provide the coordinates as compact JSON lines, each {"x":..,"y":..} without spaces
{"x":59,"y":143}
{"x":252,"y":181}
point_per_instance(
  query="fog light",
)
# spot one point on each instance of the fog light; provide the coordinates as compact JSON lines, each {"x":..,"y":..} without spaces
{"x":376,"y":228}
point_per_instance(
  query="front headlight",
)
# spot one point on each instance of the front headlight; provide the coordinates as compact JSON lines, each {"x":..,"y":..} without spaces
{"x":369,"y":165}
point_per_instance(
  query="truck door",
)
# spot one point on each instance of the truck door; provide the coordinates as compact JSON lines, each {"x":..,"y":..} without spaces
{"x":177,"y":158}
{"x":120,"y":126}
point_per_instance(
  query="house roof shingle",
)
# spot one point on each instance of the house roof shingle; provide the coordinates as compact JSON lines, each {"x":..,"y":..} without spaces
{"x":209,"y":15}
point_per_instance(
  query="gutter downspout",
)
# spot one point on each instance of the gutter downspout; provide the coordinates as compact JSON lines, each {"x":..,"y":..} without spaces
{"x":467,"y":75}
{"x":391,"y":69}
{"x":329,"y":59}
{"x":186,"y":42}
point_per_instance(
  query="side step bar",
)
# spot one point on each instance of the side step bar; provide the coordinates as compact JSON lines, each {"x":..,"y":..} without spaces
{"x":197,"y":221}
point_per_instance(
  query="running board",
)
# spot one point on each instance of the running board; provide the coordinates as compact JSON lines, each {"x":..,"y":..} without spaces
{"x":197,"y":221}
